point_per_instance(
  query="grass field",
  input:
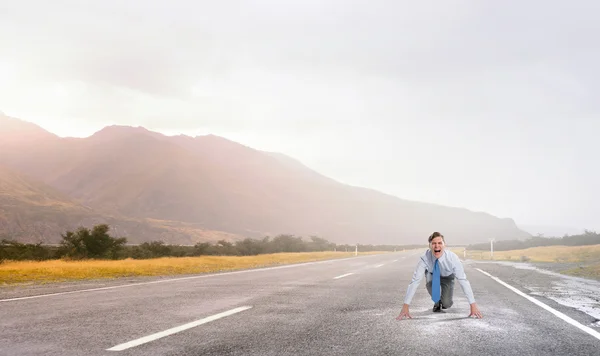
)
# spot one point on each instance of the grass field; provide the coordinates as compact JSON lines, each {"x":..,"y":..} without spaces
{"x":14,"y":272}
{"x":543,"y":254}
{"x":587,"y":256}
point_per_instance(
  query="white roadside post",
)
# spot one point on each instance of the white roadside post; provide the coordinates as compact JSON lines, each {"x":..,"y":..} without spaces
{"x":356,"y":250}
{"x":492,"y":249}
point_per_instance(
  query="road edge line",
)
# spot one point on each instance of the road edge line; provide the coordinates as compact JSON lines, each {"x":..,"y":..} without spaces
{"x":556,"y":313}
{"x":208,"y":275}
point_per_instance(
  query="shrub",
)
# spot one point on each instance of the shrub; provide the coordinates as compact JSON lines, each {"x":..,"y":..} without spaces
{"x":13,"y":250}
{"x":95,"y":243}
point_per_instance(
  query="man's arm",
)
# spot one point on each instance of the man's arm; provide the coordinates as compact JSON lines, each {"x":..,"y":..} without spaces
{"x":416,"y":280}
{"x":412,"y":288}
{"x":459,"y":273}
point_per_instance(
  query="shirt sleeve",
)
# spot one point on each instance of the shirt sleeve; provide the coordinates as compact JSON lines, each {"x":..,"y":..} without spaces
{"x":416,"y":280}
{"x":459,"y":273}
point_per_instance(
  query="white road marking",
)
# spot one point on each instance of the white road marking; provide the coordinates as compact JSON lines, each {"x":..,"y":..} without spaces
{"x":569,"y":320}
{"x":379,"y":265}
{"x":395,"y":260}
{"x":181,"y":279}
{"x":174,"y":330}
{"x":344,"y":275}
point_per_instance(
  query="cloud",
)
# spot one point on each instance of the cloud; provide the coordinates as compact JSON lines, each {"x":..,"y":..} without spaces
{"x":464,"y":56}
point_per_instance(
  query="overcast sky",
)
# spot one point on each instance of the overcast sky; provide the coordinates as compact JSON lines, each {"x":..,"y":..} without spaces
{"x":488,"y":105}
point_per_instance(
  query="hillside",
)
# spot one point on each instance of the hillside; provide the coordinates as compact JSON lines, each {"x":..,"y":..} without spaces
{"x":31,"y":211}
{"x":222,"y":185}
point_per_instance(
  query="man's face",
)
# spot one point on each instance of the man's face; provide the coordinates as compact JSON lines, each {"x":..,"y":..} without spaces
{"x":437,"y":246}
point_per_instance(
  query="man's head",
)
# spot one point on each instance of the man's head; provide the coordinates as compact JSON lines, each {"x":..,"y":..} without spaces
{"x":437,"y":244}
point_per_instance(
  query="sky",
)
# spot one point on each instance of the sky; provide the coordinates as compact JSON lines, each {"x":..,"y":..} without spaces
{"x":491,"y":106}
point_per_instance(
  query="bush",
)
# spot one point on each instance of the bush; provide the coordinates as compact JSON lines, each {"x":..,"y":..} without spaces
{"x":16,"y":251}
{"x":155,"y":249}
{"x":251,"y":247}
{"x":95,"y":243}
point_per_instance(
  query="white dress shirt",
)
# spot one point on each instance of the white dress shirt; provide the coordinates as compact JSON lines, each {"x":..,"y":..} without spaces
{"x":449,"y":263}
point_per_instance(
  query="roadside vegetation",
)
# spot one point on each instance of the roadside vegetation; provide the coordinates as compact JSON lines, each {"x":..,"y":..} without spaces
{"x":585,"y":239}
{"x":14,"y":272}
{"x":97,"y":243}
{"x":580,"y":254}
{"x":94,"y":253}
{"x":559,"y":254}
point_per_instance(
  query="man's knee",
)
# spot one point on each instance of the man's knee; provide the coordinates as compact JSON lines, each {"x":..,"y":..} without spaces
{"x":447,"y":301}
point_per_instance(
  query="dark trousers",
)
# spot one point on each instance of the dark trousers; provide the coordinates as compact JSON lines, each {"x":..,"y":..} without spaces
{"x":447,"y":284}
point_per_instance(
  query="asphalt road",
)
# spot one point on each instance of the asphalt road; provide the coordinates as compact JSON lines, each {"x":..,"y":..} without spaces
{"x":308,"y":309}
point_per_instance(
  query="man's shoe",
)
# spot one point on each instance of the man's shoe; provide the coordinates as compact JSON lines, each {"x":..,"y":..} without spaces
{"x":437,"y":308}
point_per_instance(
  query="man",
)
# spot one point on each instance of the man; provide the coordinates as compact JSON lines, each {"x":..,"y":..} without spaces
{"x":440,"y":268}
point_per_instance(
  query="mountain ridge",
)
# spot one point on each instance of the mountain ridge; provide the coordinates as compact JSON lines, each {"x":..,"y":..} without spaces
{"x":223,"y":185}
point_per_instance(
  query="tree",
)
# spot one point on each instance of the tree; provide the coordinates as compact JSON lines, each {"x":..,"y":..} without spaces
{"x":95,"y":243}
{"x":225,"y":248}
{"x":201,"y":248}
{"x":320,"y":244}
{"x":156,"y":249}
{"x":249,"y":247}
{"x":287,"y":243}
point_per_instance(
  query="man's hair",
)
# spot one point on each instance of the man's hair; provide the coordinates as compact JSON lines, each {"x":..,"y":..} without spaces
{"x":436,"y":234}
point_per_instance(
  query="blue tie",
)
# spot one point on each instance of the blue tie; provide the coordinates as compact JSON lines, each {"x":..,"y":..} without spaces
{"x":435,"y":285}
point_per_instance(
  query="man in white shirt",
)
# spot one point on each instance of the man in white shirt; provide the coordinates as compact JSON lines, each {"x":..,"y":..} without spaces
{"x":440,"y":267}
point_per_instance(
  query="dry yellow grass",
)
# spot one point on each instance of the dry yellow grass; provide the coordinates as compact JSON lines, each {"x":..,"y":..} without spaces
{"x":587,"y":256}
{"x":13,"y":272}
{"x":458,"y":251}
{"x":543,"y":254}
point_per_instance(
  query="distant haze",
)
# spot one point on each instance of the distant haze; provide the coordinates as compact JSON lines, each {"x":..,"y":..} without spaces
{"x":491,"y":106}
{"x":193,"y":189}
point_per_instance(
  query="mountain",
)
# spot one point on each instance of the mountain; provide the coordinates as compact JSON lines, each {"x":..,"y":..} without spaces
{"x":217,"y":184}
{"x":14,"y":131}
{"x":31,"y":211}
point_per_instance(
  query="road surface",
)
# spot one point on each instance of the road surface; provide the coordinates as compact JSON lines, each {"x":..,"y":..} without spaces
{"x":341,"y":307}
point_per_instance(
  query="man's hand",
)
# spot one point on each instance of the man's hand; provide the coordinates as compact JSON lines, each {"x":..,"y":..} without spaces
{"x":475,"y":311}
{"x":404,"y":313}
